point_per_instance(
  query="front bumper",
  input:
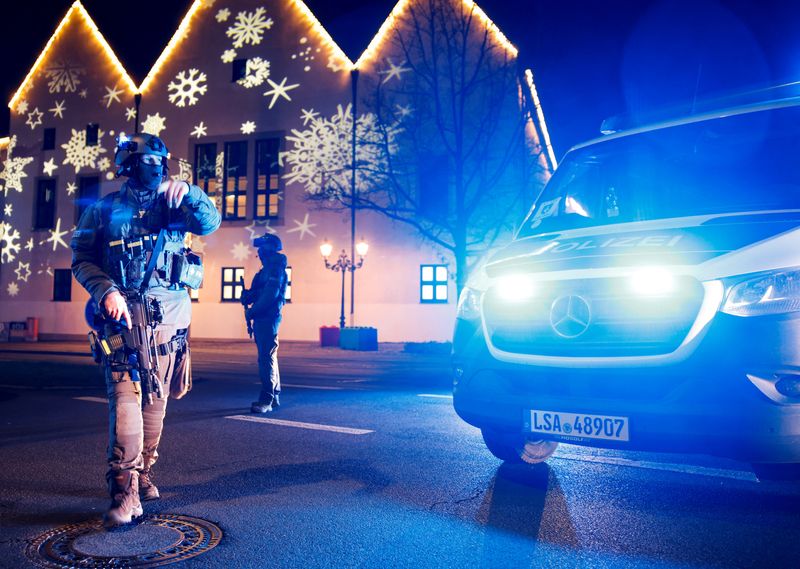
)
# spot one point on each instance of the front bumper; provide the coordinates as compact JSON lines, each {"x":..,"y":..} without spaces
{"x":704,"y":403}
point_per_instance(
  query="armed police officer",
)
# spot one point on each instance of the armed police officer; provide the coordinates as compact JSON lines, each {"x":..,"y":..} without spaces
{"x":129,"y":254}
{"x":266,"y":297}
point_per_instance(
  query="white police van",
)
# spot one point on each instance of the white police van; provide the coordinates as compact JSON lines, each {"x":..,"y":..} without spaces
{"x":651,"y":299}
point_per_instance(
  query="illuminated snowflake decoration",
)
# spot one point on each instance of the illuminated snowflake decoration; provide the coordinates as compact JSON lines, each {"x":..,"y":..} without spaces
{"x":320,"y":158}
{"x":13,"y":289}
{"x":228,"y":55}
{"x":279,"y":90}
{"x":58,"y":110}
{"x":154,"y":124}
{"x":249,"y":27}
{"x":303,"y":227}
{"x":256,"y":72}
{"x":112,"y":95}
{"x":248,"y":127}
{"x":130,"y":113}
{"x":187,"y":86}
{"x":103,"y":164}
{"x":223,"y":15}
{"x":8,"y":210}
{"x":241,"y":251}
{"x":23,"y":271}
{"x":63,"y":77}
{"x":199,"y":130}
{"x":14,"y":170}
{"x":79,"y":154}
{"x":9,"y":247}
{"x":56,"y":237}
{"x":71,"y":187}
{"x":22,"y":107}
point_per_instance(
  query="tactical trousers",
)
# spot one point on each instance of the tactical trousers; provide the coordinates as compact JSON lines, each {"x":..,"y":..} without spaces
{"x":267,"y":344}
{"x":135,"y":425}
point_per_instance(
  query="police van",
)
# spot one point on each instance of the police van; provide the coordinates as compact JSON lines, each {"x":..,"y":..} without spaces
{"x":650,"y":300}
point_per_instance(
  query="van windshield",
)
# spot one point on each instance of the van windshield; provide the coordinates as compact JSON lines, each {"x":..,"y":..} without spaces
{"x":740,"y":163}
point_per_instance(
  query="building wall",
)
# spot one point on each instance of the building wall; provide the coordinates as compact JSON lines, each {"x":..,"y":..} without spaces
{"x":299,"y":90}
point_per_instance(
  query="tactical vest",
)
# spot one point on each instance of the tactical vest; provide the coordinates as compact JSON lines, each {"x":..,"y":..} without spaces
{"x":130,"y":237}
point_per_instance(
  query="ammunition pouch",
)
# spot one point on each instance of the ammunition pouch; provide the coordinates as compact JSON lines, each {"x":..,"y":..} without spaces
{"x":181,"y":381}
{"x":186,"y":269}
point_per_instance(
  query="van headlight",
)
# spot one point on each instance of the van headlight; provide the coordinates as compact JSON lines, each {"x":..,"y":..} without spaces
{"x":469,"y":304}
{"x":777,"y":292}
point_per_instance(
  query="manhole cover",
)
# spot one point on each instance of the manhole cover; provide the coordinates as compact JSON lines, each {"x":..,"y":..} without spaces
{"x":158,"y":539}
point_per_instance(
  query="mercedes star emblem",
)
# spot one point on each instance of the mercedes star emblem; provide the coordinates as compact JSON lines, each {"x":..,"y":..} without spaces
{"x":570,"y":316}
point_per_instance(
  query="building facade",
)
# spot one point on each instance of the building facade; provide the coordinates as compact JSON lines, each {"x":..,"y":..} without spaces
{"x":255,"y":101}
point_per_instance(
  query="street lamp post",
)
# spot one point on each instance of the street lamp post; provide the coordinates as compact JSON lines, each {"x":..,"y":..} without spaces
{"x":343,"y":264}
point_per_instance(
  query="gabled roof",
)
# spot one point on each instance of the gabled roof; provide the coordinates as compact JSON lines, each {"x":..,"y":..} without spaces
{"x":76,"y":11}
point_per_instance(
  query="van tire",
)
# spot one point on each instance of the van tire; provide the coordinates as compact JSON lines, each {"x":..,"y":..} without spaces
{"x":517,"y":448}
{"x":777,"y":472}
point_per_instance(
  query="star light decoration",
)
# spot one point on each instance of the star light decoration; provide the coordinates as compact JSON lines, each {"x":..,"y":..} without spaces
{"x":308,"y":115}
{"x":29,"y":244}
{"x":23,"y":271}
{"x":34,"y":118}
{"x":255,"y":224}
{"x":130,"y":113}
{"x":228,"y":55}
{"x":200,"y":130}
{"x":303,"y":227}
{"x":58,"y":110}
{"x":279,"y":90}
{"x":49,"y":166}
{"x":241,"y":251}
{"x":56,"y":236}
{"x":112,"y":95}
{"x":248,"y":127}
{"x":71,"y":187}
{"x":12,"y":289}
{"x":8,"y":209}
{"x":393,"y":71}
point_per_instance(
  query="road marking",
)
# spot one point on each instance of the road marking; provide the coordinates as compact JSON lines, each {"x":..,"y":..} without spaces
{"x":663,"y":466}
{"x":325,"y":387}
{"x":301,"y":425}
{"x":92,"y":399}
{"x":434,"y":395}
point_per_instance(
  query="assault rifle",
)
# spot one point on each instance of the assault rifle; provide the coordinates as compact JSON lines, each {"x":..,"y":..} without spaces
{"x":146,"y":314}
{"x":246,"y":300}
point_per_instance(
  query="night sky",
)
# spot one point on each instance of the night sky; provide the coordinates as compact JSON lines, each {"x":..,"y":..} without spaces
{"x":591,"y":58}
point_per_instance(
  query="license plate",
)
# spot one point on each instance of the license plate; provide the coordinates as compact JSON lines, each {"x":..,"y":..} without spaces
{"x":577,"y":425}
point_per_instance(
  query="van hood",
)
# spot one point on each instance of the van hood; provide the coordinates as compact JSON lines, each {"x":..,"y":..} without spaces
{"x":679,"y":241}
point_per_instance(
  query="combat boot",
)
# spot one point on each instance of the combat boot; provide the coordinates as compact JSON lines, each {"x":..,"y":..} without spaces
{"x":125,"y":504}
{"x":260,"y":407}
{"x":147,"y":490}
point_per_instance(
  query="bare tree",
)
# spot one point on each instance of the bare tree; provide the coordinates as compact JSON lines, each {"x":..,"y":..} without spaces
{"x":442,"y":147}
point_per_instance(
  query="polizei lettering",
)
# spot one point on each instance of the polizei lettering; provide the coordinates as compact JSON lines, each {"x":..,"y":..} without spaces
{"x":660,"y":241}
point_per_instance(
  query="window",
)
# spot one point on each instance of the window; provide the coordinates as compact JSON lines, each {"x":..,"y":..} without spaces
{"x":45,"y":212}
{"x":92,"y":130}
{"x":238,"y":69}
{"x":434,"y":176}
{"x":205,"y":170}
{"x":265,"y":204}
{"x":88,"y":193}
{"x":234,"y":182}
{"x":288,"y":295}
{"x":49,"y":140}
{"x":232,"y":283}
{"x":62,"y":285}
{"x":433,"y":284}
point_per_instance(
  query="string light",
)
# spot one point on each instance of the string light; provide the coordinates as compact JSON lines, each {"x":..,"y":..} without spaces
{"x":4,"y":141}
{"x":327,"y":40}
{"x":78,"y":8}
{"x":540,"y":116}
{"x":390,"y":23}
{"x":181,"y":33}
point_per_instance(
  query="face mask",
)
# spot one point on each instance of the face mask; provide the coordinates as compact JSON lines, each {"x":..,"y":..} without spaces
{"x":149,"y":175}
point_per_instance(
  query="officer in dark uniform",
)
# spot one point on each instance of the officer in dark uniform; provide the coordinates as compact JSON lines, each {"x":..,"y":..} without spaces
{"x":112,"y":248}
{"x":267,"y":295}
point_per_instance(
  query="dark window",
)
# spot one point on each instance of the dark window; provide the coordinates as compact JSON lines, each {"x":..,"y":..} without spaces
{"x":288,"y":295}
{"x":88,"y":193}
{"x":232,"y":283}
{"x":49,"y":141}
{"x":62,"y":285}
{"x":234,"y":193}
{"x":238,"y":69}
{"x":92,"y":131}
{"x":265,"y":203}
{"x":45,"y":212}
{"x":433,"y":284}
{"x":434,"y":176}
{"x":205,"y":170}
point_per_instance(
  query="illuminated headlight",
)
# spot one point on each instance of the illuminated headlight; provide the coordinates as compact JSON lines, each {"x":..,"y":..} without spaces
{"x":652,"y":281}
{"x":514,"y":288}
{"x":771,"y":293}
{"x":469,"y":304}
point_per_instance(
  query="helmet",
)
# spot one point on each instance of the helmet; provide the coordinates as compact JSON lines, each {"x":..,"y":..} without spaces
{"x":137,"y":145}
{"x":268,"y":241}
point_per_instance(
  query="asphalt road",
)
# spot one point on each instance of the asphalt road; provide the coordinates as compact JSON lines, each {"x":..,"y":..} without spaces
{"x":372,"y":468}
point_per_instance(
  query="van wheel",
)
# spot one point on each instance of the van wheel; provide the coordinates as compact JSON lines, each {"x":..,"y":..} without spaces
{"x":783,"y":471}
{"x":518,"y":448}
